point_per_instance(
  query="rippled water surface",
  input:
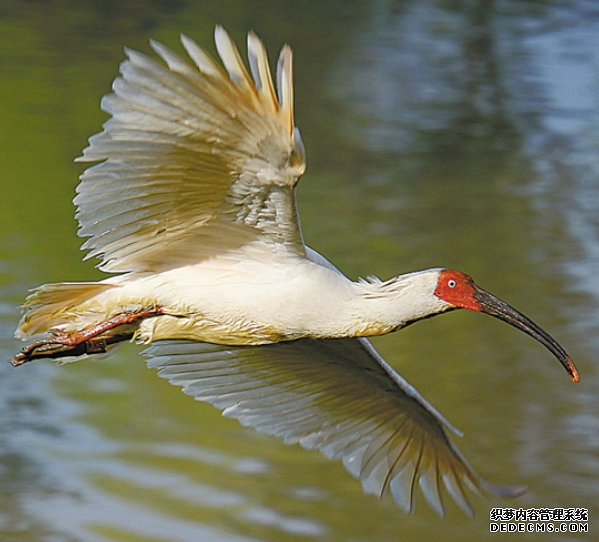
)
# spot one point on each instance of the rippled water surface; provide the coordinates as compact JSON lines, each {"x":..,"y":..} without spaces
{"x":437,"y":135}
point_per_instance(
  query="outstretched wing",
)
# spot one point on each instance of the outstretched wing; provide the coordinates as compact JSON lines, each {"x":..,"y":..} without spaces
{"x":196,"y":160}
{"x":337,"y":396}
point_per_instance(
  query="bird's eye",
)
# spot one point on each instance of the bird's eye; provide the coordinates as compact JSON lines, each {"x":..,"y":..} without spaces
{"x":451,"y":283}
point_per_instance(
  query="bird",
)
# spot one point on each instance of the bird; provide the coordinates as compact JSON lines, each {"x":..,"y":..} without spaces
{"x":190,"y":208}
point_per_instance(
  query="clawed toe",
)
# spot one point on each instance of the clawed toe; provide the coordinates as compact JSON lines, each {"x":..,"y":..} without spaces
{"x":43,"y":349}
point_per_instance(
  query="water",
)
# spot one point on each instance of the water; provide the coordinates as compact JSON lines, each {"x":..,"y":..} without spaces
{"x":436,"y":135}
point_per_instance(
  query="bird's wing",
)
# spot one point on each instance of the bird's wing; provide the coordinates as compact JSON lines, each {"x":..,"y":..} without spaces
{"x":337,"y":396}
{"x":196,"y":159}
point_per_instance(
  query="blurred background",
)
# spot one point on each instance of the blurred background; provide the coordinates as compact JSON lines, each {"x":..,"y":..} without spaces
{"x":462,"y":134}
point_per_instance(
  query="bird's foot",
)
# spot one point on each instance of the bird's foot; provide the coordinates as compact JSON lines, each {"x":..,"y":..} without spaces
{"x":87,"y":341}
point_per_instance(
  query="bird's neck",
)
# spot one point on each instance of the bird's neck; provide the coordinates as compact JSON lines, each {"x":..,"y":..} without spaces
{"x":379,"y":307}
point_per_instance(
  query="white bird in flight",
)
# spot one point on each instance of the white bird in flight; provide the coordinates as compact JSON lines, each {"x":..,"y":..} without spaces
{"x":192,"y":209}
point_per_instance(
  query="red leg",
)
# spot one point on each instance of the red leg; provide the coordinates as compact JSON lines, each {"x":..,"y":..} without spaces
{"x":86,"y":341}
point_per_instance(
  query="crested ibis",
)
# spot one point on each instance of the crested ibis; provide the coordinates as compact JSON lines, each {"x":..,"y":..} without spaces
{"x":191,"y":209}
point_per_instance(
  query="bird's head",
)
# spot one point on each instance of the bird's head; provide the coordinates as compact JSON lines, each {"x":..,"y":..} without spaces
{"x":460,"y":292}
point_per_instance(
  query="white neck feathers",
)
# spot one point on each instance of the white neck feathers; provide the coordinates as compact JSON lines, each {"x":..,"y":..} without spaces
{"x":383,"y":306}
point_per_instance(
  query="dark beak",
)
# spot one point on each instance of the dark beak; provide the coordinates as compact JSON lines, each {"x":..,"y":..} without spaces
{"x":500,"y":309}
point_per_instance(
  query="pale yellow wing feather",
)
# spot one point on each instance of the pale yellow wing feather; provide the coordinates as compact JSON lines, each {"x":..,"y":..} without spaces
{"x":258,"y":60}
{"x":195,"y":160}
{"x":202,"y":59}
{"x":285,"y":85}
{"x":339,"y":397}
{"x":229,"y":54}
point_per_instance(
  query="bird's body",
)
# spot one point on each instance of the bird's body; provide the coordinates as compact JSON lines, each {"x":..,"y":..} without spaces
{"x":192,"y":210}
{"x":240,"y":300}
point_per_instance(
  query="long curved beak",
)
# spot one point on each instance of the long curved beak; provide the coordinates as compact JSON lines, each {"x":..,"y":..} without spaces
{"x":500,"y":309}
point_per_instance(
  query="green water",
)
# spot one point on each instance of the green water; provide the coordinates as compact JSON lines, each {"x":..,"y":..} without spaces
{"x":436,"y":136}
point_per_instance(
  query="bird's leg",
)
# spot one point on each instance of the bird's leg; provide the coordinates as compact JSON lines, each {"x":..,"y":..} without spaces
{"x":86,"y":341}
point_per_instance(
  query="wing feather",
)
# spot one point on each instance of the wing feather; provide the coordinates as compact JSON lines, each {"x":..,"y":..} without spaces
{"x":285,"y":85}
{"x":232,"y":61}
{"x":261,"y":71}
{"x":431,"y":489}
{"x":204,"y":62}
{"x":194,"y":161}
{"x":338,"y":397}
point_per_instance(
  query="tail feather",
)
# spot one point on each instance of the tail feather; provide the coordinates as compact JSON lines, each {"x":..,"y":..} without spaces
{"x":47,"y":306}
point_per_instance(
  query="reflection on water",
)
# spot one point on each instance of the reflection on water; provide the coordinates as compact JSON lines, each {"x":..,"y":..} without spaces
{"x":435,"y":136}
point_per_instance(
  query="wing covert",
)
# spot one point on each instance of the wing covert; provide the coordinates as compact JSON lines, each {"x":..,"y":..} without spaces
{"x":339,"y":397}
{"x":195,"y":160}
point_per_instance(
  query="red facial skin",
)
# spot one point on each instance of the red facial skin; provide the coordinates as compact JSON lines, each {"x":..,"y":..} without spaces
{"x":457,"y":288}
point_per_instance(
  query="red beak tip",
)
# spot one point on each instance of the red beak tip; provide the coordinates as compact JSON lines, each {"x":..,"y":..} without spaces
{"x":574,"y":374}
